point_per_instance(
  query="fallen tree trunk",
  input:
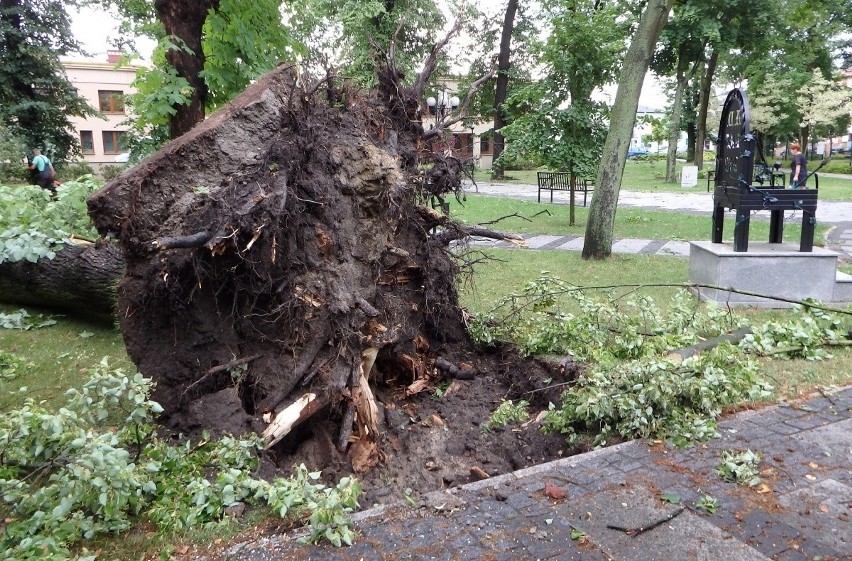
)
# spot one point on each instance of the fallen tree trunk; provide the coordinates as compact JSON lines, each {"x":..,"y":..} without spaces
{"x":281,"y":250}
{"x":80,"y":279}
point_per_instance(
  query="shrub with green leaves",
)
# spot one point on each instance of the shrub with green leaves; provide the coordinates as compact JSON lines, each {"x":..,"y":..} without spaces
{"x":11,"y":366}
{"x":507,"y":412}
{"x":33,"y":225}
{"x":23,"y":320}
{"x":802,"y":337}
{"x":552,"y":316}
{"x":657,"y":397}
{"x":632,"y":388}
{"x":96,"y":466}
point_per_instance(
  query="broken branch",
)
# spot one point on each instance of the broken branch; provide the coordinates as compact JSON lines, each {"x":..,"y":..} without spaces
{"x":291,"y":416}
{"x":192,"y":241}
{"x":459,"y":232}
{"x":633,"y":532}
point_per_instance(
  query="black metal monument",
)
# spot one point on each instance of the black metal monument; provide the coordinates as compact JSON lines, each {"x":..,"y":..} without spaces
{"x":737,"y":190}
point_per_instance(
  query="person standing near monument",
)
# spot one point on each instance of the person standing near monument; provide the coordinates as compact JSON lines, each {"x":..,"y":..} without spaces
{"x":799,"y":166}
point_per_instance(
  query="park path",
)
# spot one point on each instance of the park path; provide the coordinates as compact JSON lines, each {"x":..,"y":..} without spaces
{"x":694,"y":201}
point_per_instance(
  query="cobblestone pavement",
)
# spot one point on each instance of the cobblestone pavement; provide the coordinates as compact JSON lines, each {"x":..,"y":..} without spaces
{"x":800,"y":511}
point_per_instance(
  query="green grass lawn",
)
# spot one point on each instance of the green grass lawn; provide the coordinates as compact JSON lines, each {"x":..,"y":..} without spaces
{"x":649,"y":176}
{"x":541,"y":218}
{"x":509,"y":270}
{"x":60,"y":356}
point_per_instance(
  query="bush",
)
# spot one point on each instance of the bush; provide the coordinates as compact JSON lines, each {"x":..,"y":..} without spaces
{"x":33,"y":225}
{"x":95,"y":466}
{"x":12,"y":151}
{"x":70,"y":171}
{"x":837,"y":165}
{"x":513,"y":161}
{"x":111,"y":171}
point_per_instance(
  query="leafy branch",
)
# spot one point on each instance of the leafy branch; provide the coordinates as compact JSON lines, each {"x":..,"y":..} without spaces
{"x":63,"y":479}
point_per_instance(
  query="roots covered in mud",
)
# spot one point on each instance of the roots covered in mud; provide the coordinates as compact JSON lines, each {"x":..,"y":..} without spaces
{"x":283,"y":262}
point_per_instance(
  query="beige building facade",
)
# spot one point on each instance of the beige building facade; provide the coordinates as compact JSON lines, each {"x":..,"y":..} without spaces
{"x":471,"y":143}
{"x":104,"y":87}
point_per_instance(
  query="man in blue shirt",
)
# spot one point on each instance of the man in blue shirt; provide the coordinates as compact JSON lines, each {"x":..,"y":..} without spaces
{"x":45,"y":170}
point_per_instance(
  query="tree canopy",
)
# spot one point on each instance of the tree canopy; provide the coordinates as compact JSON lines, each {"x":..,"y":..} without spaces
{"x":560,"y":121}
{"x":36,"y":98}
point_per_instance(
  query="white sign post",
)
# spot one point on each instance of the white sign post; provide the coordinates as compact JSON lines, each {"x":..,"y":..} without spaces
{"x":689,"y":176}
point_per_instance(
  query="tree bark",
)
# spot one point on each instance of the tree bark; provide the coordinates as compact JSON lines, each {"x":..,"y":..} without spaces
{"x":674,"y":121}
{"x":598,"y":242}
{"x":184,"y":19}
{"x":703,"y":105}
{"x":78,"y":280}
{"x":503,"y":66}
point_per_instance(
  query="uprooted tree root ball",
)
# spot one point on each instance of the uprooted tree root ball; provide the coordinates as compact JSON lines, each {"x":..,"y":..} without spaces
{"x":284,"y":265}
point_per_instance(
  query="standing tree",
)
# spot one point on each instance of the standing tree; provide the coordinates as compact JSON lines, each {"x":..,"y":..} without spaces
{"x":357,"y":35}
{"x":801,"y":40}
{"x":183,"y":22}
{"x":562,"y":124}
{"x":503,"y":66}
{"x":682,"y":52}
{"x":36,"y":99}
{"x":825,"y":105}
{"x":598,"y":241}
{"x":208,"y":51}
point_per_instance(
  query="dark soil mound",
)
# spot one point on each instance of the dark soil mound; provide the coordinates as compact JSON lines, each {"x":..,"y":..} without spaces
{"x":287,"y":275}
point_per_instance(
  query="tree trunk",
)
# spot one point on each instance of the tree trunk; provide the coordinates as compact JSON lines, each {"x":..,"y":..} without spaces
{"x":598,"y":241}
{"x":674,"y":121}
{"x":703,"y":105}
{"x":79,"y":280}
{"x":690,"y":142}
{"x":185,"y":20}
{"x":503,"y":66}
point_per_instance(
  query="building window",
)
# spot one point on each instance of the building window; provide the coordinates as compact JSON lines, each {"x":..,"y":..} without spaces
{"x":485,"y":146}
{"x":111,"y":101}
{"x":87,"y":142}
{"x":114,"y":142}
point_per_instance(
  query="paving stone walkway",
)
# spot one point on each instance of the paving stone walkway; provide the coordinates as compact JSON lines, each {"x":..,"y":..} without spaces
{"x":800,"y":511}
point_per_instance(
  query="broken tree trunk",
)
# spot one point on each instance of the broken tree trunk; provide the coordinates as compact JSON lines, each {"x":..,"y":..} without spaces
{"x":288,"y":229}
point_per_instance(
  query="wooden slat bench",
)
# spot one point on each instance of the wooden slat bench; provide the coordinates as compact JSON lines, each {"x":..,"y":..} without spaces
{"x":561,"y":181}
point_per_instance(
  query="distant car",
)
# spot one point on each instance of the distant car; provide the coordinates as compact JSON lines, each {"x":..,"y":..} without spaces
{"x":634,"y":152}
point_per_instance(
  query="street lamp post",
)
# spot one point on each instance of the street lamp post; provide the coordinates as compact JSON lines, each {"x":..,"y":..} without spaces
{"x":442,"y":106}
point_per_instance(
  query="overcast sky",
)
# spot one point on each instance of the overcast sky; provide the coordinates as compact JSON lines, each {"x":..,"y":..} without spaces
{"x":93,"y":27}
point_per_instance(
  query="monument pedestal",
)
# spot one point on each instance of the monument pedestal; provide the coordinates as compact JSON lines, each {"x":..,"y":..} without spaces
{"x":774,"y":269}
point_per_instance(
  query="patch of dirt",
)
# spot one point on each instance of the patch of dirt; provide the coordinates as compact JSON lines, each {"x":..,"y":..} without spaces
{"x":286,"y":274}
{"x":431,"y":442}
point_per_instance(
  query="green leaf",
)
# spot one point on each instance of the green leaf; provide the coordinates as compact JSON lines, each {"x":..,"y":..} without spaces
{"x":671,"y":498}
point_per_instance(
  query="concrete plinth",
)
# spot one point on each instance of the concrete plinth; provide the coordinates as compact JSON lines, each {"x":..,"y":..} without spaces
{"x":766,"y":268}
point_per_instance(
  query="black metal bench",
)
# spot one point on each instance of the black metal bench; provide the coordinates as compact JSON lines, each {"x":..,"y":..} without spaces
{"x":561,"y":181}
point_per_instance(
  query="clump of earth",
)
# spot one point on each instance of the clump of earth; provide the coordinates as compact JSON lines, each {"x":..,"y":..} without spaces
{"x":287,"y":274}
